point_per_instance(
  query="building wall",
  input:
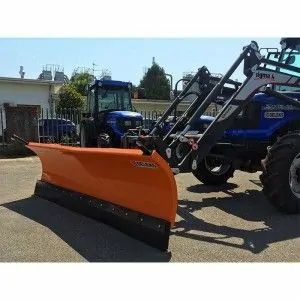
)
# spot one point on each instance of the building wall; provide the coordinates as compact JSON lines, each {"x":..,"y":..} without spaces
{"x":20,"y":93}
{"x":25,"y":93}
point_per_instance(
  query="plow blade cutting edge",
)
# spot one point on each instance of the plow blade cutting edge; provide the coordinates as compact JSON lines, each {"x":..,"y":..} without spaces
{"x":132,"y":192}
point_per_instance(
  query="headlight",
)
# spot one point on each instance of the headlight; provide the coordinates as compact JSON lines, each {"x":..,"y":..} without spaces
{"x":127,"y":123}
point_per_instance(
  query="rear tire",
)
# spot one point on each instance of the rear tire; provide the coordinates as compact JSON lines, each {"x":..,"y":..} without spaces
{"x":281,"y":174}
{"x":206,"y":175}
{"x":88,"y":135}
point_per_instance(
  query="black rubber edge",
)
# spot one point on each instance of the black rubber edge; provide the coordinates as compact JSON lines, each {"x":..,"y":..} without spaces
{"x":153,"y":231}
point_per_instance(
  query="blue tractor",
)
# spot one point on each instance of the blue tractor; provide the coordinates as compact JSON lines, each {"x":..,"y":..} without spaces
{"x":262,"y":121}
{"x":109,"y":114}
{"x":245,"y":144}
{"x":257,"y":129}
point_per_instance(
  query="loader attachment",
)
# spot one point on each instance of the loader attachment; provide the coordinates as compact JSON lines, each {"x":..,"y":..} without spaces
{"x":131,"y":191}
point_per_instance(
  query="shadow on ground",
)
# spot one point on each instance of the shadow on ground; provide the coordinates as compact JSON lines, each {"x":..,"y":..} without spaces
{"x":202,"y":188}
{"x":93,"y":240}
{"x":250,"y":206}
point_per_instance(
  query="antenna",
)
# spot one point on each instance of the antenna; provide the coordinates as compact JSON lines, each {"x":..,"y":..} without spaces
{"x":105,"y":74}
{"x":94,"y":70}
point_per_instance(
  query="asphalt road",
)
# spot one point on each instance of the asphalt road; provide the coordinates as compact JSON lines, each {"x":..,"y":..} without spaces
{"x":232,"y":223}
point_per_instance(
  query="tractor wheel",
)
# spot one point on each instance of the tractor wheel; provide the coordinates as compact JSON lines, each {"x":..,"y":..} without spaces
{"x":87,"y":135}
{"x":281,"y":174}
{"x":213,"y":171}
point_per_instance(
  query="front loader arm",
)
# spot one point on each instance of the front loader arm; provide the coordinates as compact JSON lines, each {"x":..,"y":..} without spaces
{"x":201,"y":145}
{"x":231,"y":110}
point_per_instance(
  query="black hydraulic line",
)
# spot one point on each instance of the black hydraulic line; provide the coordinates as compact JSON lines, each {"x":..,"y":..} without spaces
{"x":200,"y":97}
{"x":175,"y":89}
{"x":189,"y":93}
{"x":177,"y":100}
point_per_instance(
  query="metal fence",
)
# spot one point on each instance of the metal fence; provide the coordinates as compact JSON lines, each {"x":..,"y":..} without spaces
{"x":63,"y":127}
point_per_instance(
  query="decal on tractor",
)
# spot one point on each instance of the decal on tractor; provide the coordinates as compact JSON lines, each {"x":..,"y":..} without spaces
{"x":274,"y":114}
{"x":259,"y":75}
{"x":287,"y":107}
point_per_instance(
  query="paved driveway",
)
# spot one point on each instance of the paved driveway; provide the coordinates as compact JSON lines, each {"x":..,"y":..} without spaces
{"x":226,"y":224}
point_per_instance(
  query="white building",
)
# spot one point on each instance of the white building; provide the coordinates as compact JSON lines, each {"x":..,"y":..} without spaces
{"x":33,"y":92}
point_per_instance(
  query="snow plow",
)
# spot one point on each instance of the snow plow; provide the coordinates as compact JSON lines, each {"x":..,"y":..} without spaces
{"x":134,"y":193}
{"x":134,"y":190}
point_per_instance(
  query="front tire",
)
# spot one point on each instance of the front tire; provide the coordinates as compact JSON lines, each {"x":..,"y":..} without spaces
{"x":281,"y":174}
{"x":211,"y":171}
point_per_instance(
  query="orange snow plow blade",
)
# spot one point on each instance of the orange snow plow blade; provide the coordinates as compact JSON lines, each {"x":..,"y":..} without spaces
{"x":124,"y":188}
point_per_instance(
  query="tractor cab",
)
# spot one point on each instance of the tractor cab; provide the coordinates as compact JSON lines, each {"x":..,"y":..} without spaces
{"x":109,"y":115}
{"x":109,"y":95}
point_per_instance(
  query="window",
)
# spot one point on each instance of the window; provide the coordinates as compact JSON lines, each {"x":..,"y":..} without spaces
{"x":273,"y":57}
{"x":291,"y":58}
{"x":91,"y":101}
{"x":296,"y":63}
{"x":114,"y":99}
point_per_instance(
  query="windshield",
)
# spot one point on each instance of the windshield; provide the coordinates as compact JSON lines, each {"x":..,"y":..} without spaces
{"x":110,"y":98}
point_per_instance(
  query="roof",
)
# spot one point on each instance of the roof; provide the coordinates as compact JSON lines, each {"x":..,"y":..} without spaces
{"x":111,"y":83}
{"x":29,"y":81}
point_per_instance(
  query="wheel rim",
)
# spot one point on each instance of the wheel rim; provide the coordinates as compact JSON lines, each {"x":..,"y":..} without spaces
{"x":215,"y":166}
{"x":294,"y":176}
{"x":181,"y":150}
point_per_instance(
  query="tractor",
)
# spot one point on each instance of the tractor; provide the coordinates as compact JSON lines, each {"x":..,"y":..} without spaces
{"x":257,"y":129}
{"x":259,"y":125}
{"x":110,"y":114}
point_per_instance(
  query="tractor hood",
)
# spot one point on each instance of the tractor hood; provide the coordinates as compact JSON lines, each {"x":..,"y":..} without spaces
{"x":125,"y":114}
{"x":206,"y":119}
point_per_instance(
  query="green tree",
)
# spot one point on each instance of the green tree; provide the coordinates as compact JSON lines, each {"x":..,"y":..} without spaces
{"x":80,"y":82}
{"x":69,"y":98}
{"x":155,"y":83}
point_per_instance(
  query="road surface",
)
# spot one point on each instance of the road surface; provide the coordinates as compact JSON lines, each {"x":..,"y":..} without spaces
{"x":232,"y":223}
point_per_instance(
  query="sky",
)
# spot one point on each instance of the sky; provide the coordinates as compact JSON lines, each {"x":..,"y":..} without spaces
{"x":125,"y":58}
